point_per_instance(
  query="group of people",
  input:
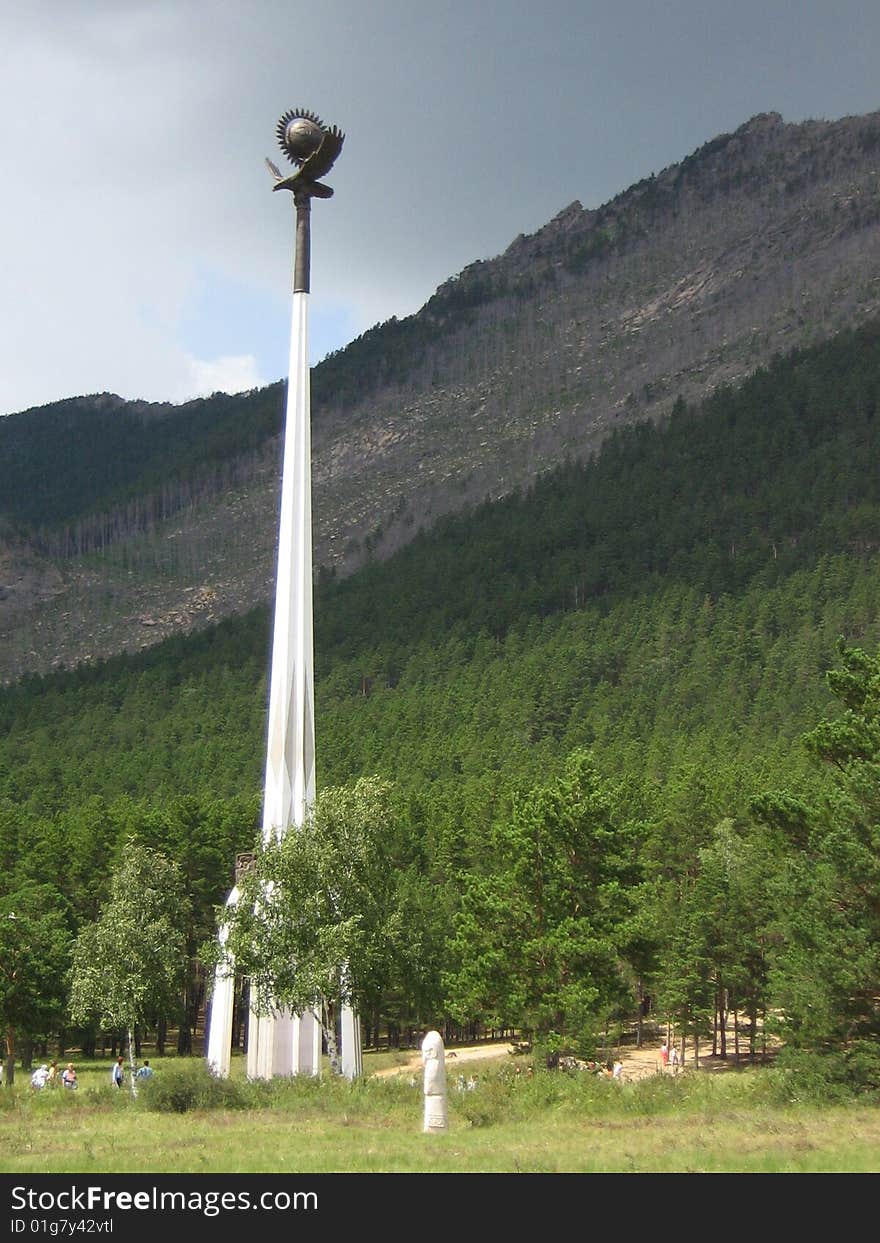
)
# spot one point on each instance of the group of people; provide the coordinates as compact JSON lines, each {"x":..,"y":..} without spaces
{"x":605,"y":1070}
{"x":117,"y":1073}
{"x":669,"y":1056}
{"x":46,"y":1076}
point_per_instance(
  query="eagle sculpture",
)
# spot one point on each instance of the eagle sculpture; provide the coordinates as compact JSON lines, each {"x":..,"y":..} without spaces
{"x":312,"y":146}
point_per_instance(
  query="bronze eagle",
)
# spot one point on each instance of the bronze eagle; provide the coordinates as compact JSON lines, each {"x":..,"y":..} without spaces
{"x":312,"y":146}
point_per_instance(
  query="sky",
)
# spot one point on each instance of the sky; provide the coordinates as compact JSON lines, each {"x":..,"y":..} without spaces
{"x":143,"y":253}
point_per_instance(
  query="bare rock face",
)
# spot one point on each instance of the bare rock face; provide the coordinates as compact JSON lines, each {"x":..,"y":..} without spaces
{"x":762,"y":240}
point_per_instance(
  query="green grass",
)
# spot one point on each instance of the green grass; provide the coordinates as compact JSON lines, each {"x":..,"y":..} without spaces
{"x":553,"y":1122}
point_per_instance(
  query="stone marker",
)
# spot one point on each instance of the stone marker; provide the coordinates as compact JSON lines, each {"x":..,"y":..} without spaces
{"x":433,"y":1057}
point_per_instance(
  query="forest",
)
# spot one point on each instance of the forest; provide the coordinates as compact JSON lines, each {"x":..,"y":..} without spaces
{"x":627,"y":724}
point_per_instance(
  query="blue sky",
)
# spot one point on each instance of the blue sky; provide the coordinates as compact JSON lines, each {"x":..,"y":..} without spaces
{"x":142,"y":251}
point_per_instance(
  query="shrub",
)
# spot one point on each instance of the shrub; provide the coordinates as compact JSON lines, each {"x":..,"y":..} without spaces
{"x":862,"y":1065}
{"x":485,"y":1104}
{"x":804,"y":1077}
{"x":179,"y":1089}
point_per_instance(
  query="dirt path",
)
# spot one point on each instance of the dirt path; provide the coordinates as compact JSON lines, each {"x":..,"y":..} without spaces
{"x":461,"y":1053}
{"x":637,"y":1063}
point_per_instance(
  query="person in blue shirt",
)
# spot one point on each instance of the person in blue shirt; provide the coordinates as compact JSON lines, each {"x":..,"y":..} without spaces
{"x":145,"y":1071}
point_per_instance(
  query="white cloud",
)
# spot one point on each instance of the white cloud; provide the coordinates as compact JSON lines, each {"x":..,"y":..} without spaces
{"x":232,"y":374}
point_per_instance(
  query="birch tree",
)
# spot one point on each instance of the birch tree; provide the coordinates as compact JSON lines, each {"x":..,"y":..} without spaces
{"x":130,"y":964}
{"x":320,"y":919}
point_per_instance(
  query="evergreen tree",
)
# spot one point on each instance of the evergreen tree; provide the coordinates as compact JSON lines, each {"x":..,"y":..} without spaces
{"x":35,"y":945}
{"x":827,"y":974}
{"x":538,"y":941}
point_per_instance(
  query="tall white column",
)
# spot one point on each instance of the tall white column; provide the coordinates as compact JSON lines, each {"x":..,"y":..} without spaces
{"x":290,"y":758}
{"x":352,"y":1054}
{"x":219,"y":1048}
{"x":282,"y":1043}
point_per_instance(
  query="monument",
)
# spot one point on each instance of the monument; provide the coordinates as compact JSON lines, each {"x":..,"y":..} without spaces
{"x":434,"y":1087}
{"x":282,"y":1043}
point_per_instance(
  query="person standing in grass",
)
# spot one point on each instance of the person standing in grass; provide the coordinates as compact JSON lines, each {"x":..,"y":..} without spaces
{"x":145,"y":1071}
{"x":117,"y":1074}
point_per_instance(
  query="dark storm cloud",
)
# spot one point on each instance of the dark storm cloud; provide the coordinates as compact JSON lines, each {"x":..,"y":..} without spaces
{"x":144,"y":252}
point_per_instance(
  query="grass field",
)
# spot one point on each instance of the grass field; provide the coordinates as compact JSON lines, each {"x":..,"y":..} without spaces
{"x":549,"y":1122}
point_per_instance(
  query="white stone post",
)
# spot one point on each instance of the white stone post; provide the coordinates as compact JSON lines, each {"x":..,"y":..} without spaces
{"x":434,"y":1059}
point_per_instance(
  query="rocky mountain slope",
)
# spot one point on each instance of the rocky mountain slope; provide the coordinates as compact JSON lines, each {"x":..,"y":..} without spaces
{"x":762,"y":240}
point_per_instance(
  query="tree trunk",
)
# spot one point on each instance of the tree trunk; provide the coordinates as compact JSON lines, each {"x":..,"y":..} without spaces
{"x":736,"y":1037}
{"x":328,"y":1022}
{"x":245,"y":1015}
{"x":198,"y":1003}
{"x":715,"y":1026}
{"x":131,"y":1064}
{"x":184,"y":1035}
{"x":239,"y":1009}
{"x":9,"y":1076}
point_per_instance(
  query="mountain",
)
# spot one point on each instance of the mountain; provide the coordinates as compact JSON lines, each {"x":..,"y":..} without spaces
{"x":672,"y":603}
{"x":122,"y":523}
